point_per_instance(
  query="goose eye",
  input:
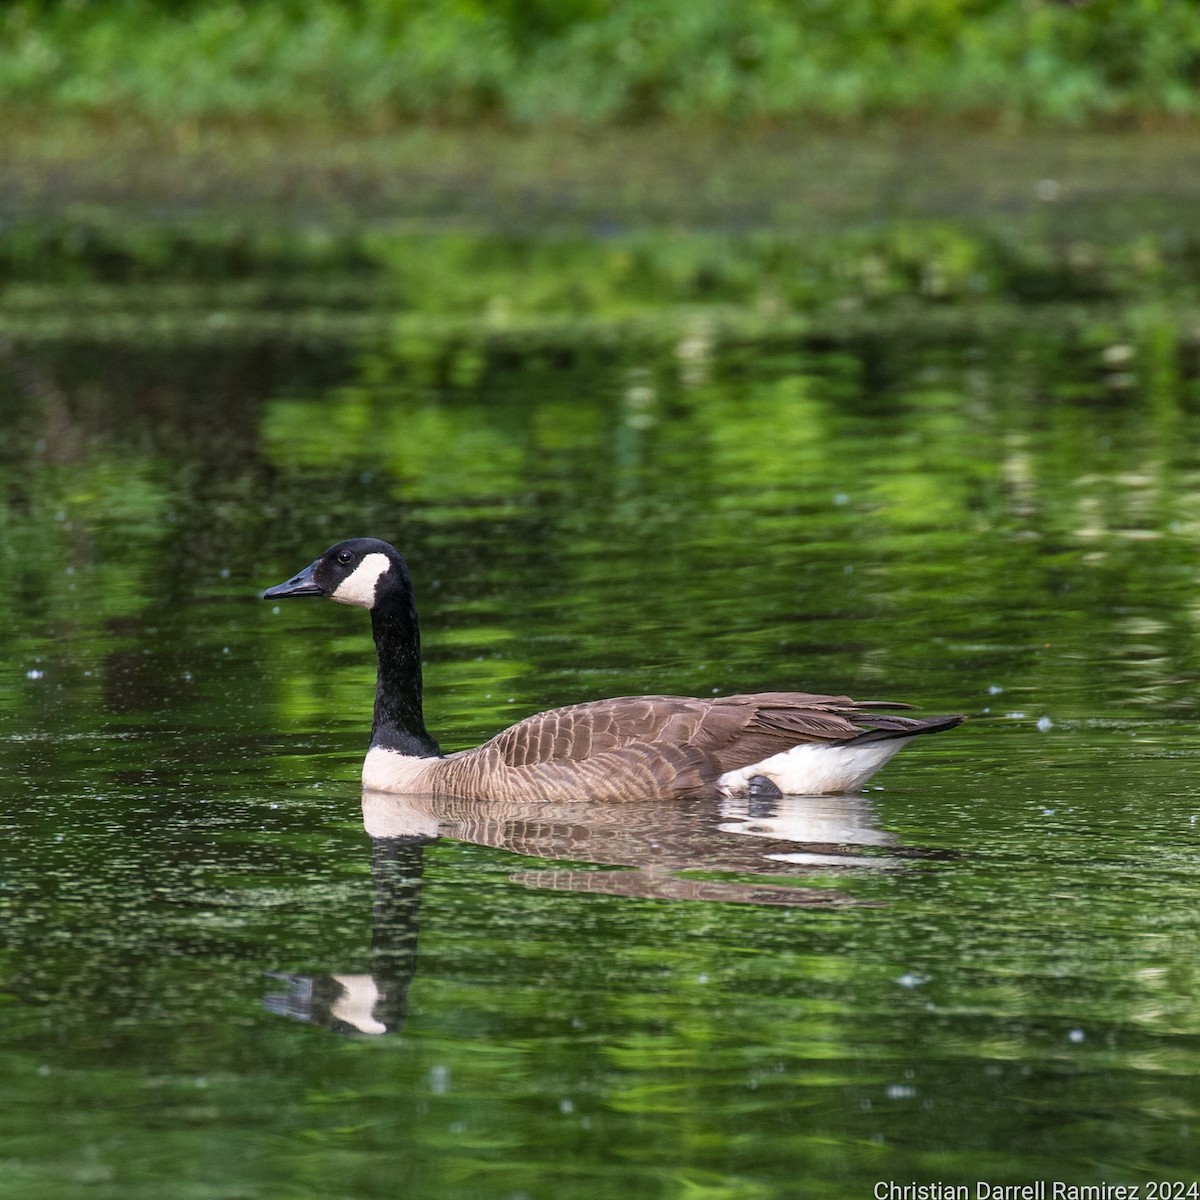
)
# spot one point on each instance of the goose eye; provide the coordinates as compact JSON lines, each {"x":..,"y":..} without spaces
{"x":345,"y":557}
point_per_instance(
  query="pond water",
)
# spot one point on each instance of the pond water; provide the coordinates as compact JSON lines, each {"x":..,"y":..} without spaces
{"x":227,"y":974}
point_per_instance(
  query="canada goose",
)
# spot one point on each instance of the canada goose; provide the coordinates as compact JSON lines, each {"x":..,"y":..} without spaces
{"x":647,"y":747}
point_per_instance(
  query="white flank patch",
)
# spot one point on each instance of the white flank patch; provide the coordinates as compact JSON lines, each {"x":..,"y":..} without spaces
{"x":356,"y":1005}
{"x":358,"y":588}
{"x":386,"y":771}
{"x":816,"y":769}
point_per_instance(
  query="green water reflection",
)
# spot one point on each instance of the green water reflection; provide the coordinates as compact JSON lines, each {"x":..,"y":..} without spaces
{"x":988,"y":972}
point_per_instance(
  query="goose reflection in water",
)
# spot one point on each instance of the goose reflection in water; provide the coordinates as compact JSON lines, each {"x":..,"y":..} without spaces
{"x":789,"y":837}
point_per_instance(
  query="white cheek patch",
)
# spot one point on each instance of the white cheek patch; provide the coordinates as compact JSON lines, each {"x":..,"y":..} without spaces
{"x":358,"y":588}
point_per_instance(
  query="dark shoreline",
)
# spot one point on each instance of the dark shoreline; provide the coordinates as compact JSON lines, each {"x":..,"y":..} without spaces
{"x":677,"y":176}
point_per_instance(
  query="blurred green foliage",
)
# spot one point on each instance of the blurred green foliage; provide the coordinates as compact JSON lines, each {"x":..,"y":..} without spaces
{"x":591,"y":62}
{"x":493,"y":285}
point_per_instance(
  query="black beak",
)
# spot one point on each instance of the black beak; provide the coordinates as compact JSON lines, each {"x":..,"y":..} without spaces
{"x":299,"y":585}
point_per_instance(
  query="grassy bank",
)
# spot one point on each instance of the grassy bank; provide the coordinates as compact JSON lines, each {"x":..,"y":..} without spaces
{"x":588,"y":63}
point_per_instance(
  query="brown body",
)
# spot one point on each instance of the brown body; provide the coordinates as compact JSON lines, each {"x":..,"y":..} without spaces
{"x":645,"y":747}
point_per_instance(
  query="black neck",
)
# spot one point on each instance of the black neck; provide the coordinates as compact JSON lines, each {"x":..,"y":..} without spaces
{"x":399,"y":724}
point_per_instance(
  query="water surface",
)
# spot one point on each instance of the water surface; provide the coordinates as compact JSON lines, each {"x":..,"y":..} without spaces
{"x":226,"y":972}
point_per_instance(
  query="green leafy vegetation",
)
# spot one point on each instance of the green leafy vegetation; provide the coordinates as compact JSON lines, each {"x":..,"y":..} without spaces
{"x":591,"y":62}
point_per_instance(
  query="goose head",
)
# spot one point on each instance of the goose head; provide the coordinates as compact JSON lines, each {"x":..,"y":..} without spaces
{"x":359,"y":571}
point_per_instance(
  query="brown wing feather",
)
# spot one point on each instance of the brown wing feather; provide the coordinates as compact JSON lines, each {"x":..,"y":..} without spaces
{"x":639,"y":746}
{"x":581,"y":731}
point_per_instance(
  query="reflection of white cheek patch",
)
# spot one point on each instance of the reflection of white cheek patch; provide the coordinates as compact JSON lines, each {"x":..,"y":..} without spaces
{"x":359,"y":587}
